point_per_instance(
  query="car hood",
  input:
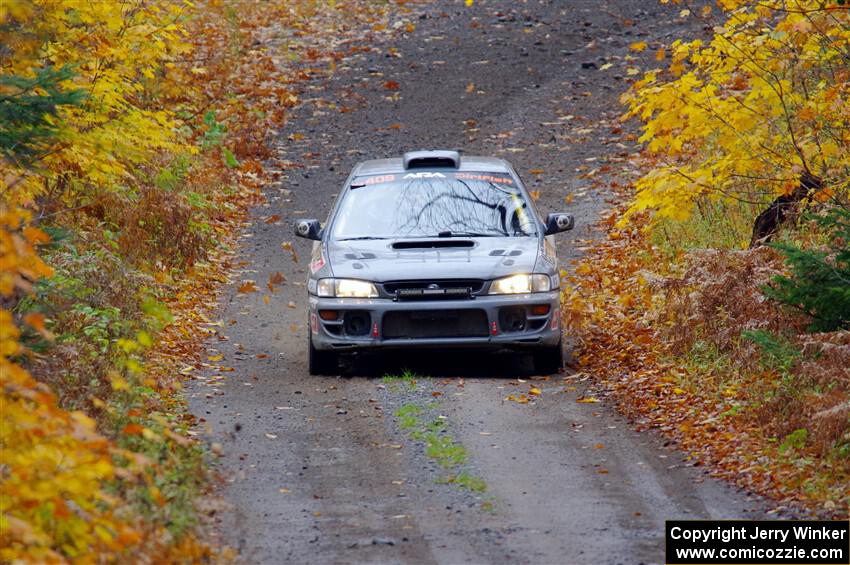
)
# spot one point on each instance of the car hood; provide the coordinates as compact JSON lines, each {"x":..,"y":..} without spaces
{"x":484,"y":258}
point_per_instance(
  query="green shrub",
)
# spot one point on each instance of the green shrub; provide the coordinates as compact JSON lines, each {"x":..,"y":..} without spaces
{"x":819,"y":283}
{"x":777,"y":352}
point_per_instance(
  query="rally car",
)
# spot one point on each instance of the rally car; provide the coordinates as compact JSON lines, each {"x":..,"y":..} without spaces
{"x":434,"y":250}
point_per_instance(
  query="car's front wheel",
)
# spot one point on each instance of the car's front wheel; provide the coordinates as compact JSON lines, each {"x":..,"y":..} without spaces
{"x":321,"y":362}
{"x":549,"y":360}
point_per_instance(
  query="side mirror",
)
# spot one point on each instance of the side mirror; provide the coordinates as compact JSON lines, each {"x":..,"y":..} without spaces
{"x":308,"y":229}
{"x":558,"y":222}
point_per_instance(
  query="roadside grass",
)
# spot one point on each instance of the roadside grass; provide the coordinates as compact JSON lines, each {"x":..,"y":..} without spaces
{"x":439,"y":446}
{"x":424,"y":424}
{"x":713,"y":224}
{"x":468,"y":482}
{"x":407,"y":378}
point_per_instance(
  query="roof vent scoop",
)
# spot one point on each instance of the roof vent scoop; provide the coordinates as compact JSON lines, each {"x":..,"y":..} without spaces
{"x":425,"y":159}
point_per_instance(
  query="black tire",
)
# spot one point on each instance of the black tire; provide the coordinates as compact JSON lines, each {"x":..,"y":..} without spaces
{"x":321,"y":362}
{"x":549,"y":360}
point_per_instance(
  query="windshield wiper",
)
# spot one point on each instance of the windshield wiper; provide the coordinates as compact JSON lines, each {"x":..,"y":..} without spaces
{"x":360,"y":238}
{"x":449,"y":233}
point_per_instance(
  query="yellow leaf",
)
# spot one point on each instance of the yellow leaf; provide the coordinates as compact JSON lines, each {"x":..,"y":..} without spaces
{"x":638,"y":46}
{"x":587,"y":400}
{"x":118,"y":382}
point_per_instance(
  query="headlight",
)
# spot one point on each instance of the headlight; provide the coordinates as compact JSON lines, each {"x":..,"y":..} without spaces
{"x":346,"y":288}
{"x":521,"y":284}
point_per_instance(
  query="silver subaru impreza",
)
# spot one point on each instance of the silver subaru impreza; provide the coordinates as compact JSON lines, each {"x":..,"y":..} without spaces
{"x":434,"y":250}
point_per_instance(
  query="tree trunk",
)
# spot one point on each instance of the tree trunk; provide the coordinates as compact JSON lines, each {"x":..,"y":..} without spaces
{"x":783,"y":209}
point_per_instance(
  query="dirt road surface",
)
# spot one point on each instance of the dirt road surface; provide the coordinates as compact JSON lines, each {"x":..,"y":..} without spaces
{"x":321,"y":469}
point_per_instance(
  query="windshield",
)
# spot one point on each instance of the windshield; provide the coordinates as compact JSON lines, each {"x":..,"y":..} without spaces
{"x":430,"y":204}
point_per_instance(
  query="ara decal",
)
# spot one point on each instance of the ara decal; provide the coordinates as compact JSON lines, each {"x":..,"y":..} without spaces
{"x":424,"y":175}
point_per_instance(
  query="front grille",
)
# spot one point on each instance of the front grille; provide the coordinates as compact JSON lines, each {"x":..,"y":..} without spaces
{"x":421,"y":324}
{"x":475,"y":285}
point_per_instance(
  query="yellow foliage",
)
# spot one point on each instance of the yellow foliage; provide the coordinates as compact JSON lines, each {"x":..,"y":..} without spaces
{"x":52,"y":502}
{"x":120,"y":52}
{"x":744,"y":116}
{"x":56,"y":468}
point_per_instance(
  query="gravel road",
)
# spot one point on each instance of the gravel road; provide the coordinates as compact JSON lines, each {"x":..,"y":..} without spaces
{"x":322,"y":470}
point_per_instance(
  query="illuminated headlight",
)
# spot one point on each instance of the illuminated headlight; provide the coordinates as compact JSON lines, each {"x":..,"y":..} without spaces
{"x":346,"y":288}
{"x":520,"y":284}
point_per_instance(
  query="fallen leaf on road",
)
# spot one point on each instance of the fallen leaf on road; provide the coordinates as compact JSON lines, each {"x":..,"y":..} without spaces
{"x":587,"y":400}
{"x":391,"y":85}
{"x":247,"y":286}
{"x":287,"y":246}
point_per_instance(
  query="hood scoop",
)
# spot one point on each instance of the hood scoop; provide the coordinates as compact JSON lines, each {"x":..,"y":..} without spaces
{"x":433,"y":244}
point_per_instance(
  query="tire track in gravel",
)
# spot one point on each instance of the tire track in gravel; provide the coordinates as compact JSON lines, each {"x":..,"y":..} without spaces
{"x":317,"y":470}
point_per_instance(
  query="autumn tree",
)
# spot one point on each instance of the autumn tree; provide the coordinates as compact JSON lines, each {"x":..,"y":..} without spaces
{"x":747,"y":114}
{"x":93,"y":78}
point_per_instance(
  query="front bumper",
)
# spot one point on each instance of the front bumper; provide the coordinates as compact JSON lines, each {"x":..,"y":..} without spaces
{"x":485,"y":322}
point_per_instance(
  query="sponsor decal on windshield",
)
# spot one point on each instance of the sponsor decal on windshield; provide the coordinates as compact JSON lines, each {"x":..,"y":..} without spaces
{"x":486,"y":177}
{"x":425,"y":175}
{"x":374,"y":179}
